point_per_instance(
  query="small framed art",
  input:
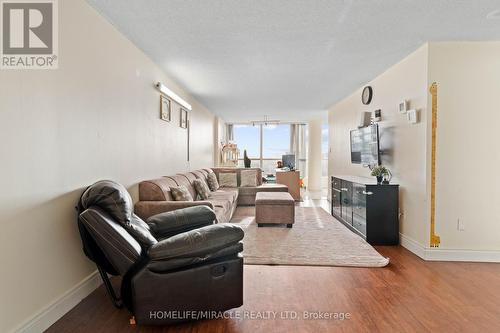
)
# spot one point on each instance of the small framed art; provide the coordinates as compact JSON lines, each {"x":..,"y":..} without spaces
{"x":184,"y":118}
{"x":165,"y":108}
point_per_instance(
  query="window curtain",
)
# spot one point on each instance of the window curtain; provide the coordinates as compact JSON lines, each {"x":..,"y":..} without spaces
{"x":229,"y":132}
{"x":298,"y":146}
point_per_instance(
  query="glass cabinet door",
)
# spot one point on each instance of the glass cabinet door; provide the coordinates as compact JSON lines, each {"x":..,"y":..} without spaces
{"x":346,"y":197}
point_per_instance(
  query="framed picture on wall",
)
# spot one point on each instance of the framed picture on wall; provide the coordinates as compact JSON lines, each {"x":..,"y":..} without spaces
{"x":165,"y":108}
{"x":184,"y":118}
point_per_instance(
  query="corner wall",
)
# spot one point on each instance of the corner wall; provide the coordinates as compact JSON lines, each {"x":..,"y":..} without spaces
{"x":467,"y":179}
{"x":468,"y":152}
{"x":96,"y":117}
{"x":404,"y":144}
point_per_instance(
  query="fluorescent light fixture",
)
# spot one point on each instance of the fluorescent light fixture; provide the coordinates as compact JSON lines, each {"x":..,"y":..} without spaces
{"x":173,"y":95}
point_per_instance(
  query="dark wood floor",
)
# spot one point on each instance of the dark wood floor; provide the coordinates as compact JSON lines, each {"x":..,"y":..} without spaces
{"x":410,"y":295}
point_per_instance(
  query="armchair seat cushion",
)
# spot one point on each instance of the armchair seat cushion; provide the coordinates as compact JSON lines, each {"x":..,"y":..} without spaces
{"x":171,"y":223}
{"x":198,"y":242}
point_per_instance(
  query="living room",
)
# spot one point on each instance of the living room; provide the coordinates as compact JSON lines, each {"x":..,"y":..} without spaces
{"x":223,"y":157}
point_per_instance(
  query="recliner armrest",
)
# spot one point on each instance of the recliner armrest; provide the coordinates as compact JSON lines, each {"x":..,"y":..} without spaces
{"x":197,"y":242}
{"x":167,"y":224}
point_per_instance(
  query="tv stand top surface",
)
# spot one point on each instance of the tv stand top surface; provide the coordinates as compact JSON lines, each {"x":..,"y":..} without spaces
{"x":361,"y":180}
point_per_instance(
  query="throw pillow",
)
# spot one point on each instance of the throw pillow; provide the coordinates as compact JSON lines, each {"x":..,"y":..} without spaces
{"x":181,"y":193}
{"x":228,"y":179}
{"x":248,"y":178}
{"x":201,"y":188}
{"x":212,"y":182}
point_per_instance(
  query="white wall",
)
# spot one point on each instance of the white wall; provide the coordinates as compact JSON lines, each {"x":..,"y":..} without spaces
{"x":96,"y":117}
{"x":404,"y":144}
{"x":468,"y":153}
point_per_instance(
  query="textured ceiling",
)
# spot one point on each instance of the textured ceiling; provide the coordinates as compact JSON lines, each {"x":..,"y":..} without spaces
{"x":289,"y":59}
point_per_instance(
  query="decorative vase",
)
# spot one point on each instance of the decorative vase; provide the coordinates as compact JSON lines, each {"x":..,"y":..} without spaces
{"x":379,"y":179}
{"x":246,"y":160}
{"x":387,"y":177}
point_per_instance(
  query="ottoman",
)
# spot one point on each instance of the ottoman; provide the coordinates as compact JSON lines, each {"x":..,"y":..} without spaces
{"x":274,"y":208}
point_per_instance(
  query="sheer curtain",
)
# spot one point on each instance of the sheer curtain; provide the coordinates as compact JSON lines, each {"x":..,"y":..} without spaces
{"x":229,"y":132}
{"x":298,"y":146}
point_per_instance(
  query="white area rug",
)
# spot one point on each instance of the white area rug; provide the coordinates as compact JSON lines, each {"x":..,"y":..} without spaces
{"x":316,"y":239}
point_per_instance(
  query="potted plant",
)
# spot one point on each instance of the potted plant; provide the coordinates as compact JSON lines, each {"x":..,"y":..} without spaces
{"x":380,"y":172}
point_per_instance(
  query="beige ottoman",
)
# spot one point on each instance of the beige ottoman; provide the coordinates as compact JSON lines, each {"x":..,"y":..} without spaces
{"x":274,"y":208}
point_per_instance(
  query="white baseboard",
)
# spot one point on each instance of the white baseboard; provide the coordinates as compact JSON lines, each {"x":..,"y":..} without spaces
{"x":54,"y":311}
{"x":412,"y":245}
{"x":442,"y":254}
{"x":462,"y":255}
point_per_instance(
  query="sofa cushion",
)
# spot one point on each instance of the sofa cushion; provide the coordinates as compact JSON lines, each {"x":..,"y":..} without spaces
{"x":263,"y":188}
{"x":258,"y":177}
{"x":220,"y":214}
{"x":200,"y":174}
{"x":248,"y":190}
{"x":201,"y":189}
{"x":227,"y":193}
{"x":228,"y":179}
{"x":204,"y":172}
{"x":222,"y":203}
{"x":248,"y":178}
{"x":212,"y":182}
{"x":181,"y":193}
{"x":156,"y":189}
{"x":190,"y":176}
{"x":182,"y":179}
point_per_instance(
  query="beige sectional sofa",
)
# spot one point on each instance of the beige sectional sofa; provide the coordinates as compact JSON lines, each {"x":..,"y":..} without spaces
{"x":155,"y":196}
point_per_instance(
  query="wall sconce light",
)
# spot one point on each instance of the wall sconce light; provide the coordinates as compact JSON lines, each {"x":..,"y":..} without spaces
{"x":162,"y":88}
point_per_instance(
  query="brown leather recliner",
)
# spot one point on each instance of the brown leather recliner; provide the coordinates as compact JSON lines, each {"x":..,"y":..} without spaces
{"x":176,"y":266}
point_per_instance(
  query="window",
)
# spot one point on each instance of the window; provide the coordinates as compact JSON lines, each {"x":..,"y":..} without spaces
{"x":276,"y":141}
{"x":248,"y":137}
{"x":265,"y":144}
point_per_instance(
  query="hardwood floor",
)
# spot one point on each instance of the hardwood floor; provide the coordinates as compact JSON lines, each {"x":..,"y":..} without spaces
{"x":409,"y":295}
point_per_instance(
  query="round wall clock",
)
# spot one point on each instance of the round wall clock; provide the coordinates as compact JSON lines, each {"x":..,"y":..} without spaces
{"x":366,"y":96}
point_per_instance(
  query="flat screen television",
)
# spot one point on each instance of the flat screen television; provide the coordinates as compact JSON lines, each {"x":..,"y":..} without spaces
{"x":288,"y":161}
{"x":365,"y":145}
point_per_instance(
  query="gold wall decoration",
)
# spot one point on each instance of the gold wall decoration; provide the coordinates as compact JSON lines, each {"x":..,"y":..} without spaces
{"x":434,"y":239}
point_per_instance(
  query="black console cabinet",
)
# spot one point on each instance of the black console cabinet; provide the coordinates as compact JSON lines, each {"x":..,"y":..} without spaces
{"x":368,"y":209}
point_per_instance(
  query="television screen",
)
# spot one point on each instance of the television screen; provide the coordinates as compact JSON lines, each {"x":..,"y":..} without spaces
{"x":288,"y":161}
{"x":365,"y":145}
